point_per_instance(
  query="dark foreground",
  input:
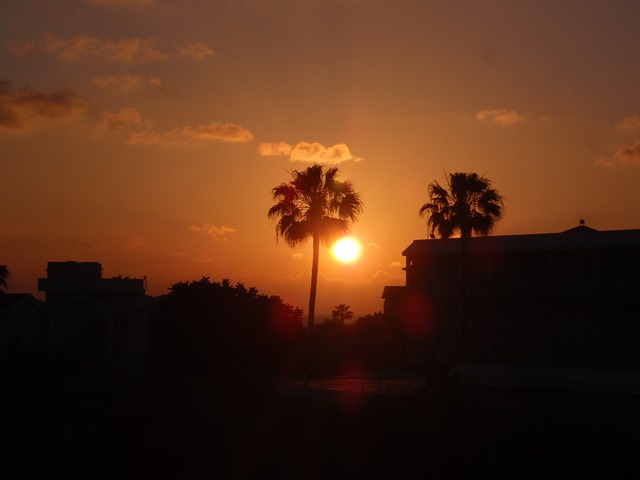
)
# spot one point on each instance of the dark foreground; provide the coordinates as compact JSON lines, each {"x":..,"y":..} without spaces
{"x":83,"y":423}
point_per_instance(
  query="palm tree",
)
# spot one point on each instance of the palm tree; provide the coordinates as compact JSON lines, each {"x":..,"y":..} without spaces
{"x":341,"y":313}
{"x":467,"y":205}
{"x":314,"y":204}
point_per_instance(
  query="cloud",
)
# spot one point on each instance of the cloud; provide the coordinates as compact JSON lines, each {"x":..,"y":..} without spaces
{"x":373,"y":245}
{"x":196,"y":51}
{"x":274,"y":149}
{"x":22,"y":109}
{"x":380,"y":276}
{"x":629,"y":124}
{"x":218,"y":233}
{"x":225,"y":132}
{"x":623,"y":155}
{"x":125,"y":84}
{"x":297,"y":256}
{"x":122,"y":3}
{"x":500,"y":117}
{"x":116,"y":123}
{"x":128,"y":50}
{"x":311,"y":152}
{"x":395,"y":264}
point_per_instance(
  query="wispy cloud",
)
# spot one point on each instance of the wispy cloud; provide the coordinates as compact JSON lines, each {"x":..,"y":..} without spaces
{"x":629,"y":123}
{"x":22,"y":109}
{"x":116,"y":123}
{"x":622,"y":155}
{"x":218,"y":233}
{"x":122,"y":3}
{"x":500,"y":117}
{"x":127,"y":50}
{"x":380,"y":276}
{"x":224,"y":132}
{"x":196,"y":51}
{"x":125,"y":84}
{"x":297,"y":256}
{"x":311,"y":152}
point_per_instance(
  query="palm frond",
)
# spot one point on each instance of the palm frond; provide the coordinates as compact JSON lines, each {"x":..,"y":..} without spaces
{"x":468,"y":205}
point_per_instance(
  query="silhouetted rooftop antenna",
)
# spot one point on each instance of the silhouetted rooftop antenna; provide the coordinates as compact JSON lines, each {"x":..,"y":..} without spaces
{"x":581,"y":222}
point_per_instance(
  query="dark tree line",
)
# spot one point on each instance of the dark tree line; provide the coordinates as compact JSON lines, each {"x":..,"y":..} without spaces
{"x":207,"y":328}
{"x":372,"y":342}
{"x":204,"y":328}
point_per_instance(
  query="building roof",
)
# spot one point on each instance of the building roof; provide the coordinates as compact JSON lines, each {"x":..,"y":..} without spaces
{"x":578,"y":238}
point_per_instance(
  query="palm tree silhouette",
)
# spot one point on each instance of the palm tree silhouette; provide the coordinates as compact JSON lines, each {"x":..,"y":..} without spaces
{"x":341,"y":313}
{"x":314,"y":203}
{"x":467,"y":205}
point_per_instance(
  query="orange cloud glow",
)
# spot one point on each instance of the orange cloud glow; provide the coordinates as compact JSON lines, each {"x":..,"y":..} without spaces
{"x":218,"y":233}
{"x":500,"y":117}
{"x":629,"y":123}
{"x":623,"y":155}
{"x":127,"y":51}
{"x":125,"y":84}
{"x":115,"y":123}
{"x":196,"y":51}
{"x":311,"y":152}
{"x":140,"y":132}
{"x":122,"y":3}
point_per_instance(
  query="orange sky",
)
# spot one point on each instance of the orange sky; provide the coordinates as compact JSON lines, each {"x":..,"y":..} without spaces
{"x":147,"y":134}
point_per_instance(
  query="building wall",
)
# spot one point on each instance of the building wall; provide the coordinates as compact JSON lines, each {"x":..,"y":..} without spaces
{"x":546,"y":304}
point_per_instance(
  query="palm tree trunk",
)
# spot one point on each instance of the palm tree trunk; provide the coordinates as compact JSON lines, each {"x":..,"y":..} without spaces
{"x":464,"y":301}
{"x":314,"y":282}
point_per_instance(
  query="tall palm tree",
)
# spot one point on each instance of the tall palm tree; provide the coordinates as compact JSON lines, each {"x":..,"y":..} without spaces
{"x":341,"y":313}
{"x":467,"y":205}
{"x":314,"y":204}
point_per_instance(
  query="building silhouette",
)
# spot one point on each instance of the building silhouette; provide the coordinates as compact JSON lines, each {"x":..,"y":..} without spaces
{"x":566,"y":300}
{"x":101,"y":321}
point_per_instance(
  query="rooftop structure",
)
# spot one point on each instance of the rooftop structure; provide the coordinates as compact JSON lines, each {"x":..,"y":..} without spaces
{"x":66,"y":280}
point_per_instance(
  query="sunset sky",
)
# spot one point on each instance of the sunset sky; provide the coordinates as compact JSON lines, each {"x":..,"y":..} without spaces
{"x":147,"y":134}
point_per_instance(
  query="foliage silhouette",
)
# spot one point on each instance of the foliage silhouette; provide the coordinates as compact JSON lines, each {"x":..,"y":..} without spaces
{"x":314,"y":204}
{"x":466,"y":205}
{"x":205,"y":328}
{"x":341,"y":313}
{"x":371,"y":343}
{"x":4,"y":276}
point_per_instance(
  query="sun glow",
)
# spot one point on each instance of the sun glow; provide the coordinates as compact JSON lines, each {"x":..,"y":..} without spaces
{"x":346,"y":250}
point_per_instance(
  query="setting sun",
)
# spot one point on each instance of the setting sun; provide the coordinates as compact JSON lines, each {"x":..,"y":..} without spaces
{"x":346,"y":250}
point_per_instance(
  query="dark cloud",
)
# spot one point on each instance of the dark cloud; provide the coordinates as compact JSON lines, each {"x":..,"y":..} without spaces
{"x":21,"y":108}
